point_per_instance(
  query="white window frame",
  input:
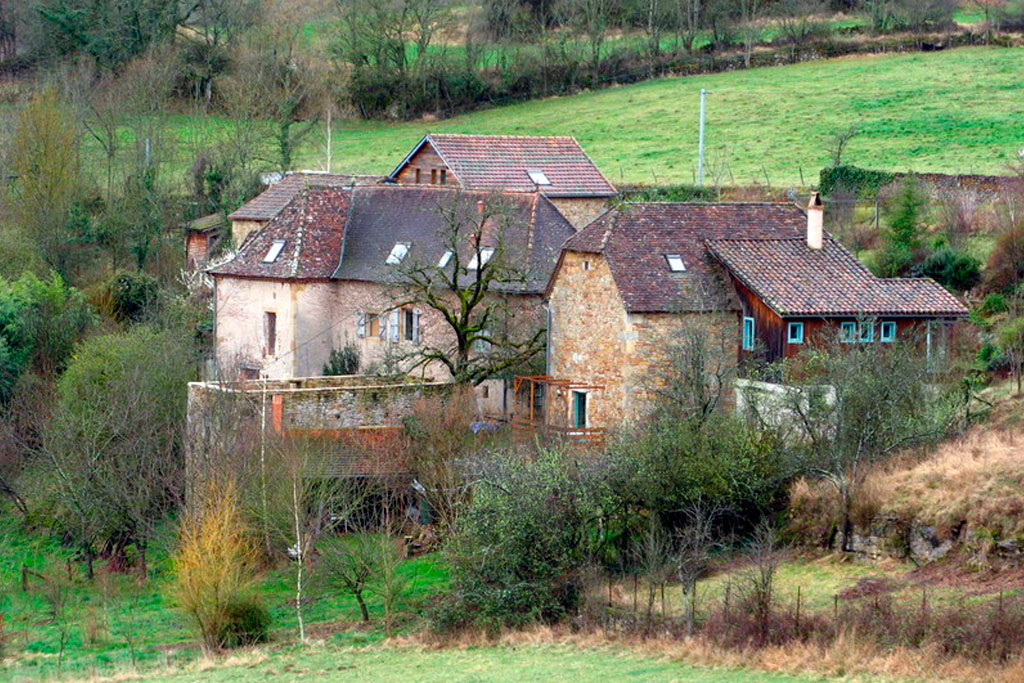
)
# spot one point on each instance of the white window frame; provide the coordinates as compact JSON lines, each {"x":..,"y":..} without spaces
{"x":485,"y":255}
{"x":398,"y":252}
{"x":393,"y":326}
{"x":361,"y":325}
{"x":274,"y":251}
{"x":537,"y":176}
{"x":675,"y":263}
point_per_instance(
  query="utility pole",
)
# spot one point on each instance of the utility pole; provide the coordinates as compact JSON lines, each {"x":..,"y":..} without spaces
{"x":700,"y":142}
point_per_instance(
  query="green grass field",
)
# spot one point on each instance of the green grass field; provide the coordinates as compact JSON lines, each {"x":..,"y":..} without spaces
{"x":957,"y":111}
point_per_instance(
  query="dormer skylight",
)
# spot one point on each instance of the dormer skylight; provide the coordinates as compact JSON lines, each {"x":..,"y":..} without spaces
{"x":485,"y":255}
{"x":445,"y":258}
{"x":274,"y":251}
{"x":398,"y":253}
{"x":537,"y":177}
{"x":675,"y":263}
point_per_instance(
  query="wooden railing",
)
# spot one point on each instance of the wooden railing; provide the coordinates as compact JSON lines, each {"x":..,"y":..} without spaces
{"x":527,"y":432}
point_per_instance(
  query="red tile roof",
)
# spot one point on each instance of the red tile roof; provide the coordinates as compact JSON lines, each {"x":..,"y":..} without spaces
{"x":271,"y":201}
{"x":501,"y":163}
{"x":312,"y":227}
{"x":795,"y":280}
{"x":636,"y":238}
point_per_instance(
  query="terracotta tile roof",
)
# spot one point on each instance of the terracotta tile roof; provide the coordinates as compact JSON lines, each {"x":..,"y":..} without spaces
{"x":271,"y":201}
{"x":795,"y":280}
{"x":636,"y":238}
{"x":384,"y":215}
{"x":347,"y":233}
{"x":312,"y":227}
{"x":501,"y":163}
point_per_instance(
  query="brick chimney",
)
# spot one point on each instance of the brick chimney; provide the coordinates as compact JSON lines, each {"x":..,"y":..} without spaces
{"x":815,"y":222}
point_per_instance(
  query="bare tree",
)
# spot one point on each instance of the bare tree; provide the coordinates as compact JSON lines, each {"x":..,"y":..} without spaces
{"x":751,"y":12}
{"x":760,"y":576}
{"x":799,"y":21}
{"x":696,"y":542}
{"x":838,"y":142}
{"x":590,"y":18}
{"x":486,"y":329}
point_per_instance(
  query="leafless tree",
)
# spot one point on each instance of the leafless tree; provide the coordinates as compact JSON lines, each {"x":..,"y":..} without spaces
{"x":751,"y":13}
{"x":590,"y":18}
{"x":759,"y":578}
{"x":839,"y":141}
{"x":655,"y":561}
{"x":696,"y":541}
{"x":486,"y":329}
{"x":799,"y":21}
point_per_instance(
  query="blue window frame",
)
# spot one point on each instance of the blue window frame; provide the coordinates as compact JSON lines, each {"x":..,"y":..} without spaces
{"x":748,"y":334}
{"x":867,"y":333}
{"x":888,"y":331}
{"x":795,"y":333}
{"x":848,"y":333}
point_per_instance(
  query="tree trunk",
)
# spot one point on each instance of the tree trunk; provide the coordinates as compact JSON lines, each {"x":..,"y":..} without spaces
{"x":362,"y":605}
{"x":847,"y":541}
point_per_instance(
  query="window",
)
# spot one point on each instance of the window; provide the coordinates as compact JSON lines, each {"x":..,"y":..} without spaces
{"x":274,"y":251}
{"x":579,"y":409}
{"x":417,"y":176}
{"x":444,"y":176}
{"x":586,"y":265}
{"x":748,"y":334}
{"x":675,"y":263}
{"x":867,"y":333}
{"x":361,"y":325}
{"x":373,"y":325}
{"x":269,"y":333}
{"x":433,"y":176}
{"x":445,"y":258}
{"x":393,"y":325}
{"x":888,"y":331}
{"x":411,"y":325}
{"x":398,"y":253}
{"x":483,"y":342}
{"x":795,"y":333}
{"x":847,"y":333}
{"x":537,"y":177}
{"x":485,"y":255}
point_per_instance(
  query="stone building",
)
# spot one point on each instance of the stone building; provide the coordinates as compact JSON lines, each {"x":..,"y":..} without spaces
{"x":321,"y":275}
{"x":556,"y":167}
{"x":761,"y":277}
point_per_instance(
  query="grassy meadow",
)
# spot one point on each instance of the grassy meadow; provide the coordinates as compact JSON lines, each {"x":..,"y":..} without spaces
{"x":955,"y":111}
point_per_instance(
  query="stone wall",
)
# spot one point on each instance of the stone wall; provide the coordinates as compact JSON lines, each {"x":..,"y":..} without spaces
{"x":593,"y":340}
{"x":580,"y":210}
{"x":241,"y":229}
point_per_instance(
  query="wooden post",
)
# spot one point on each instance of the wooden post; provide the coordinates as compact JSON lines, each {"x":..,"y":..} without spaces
{"x":798,"y":608}
{"x":835,"y":607}
{"x":635,"y":579}
{"x":24,"y":578}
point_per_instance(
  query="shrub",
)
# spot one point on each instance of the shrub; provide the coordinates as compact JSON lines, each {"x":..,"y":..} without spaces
{"x":993,"y":304}
{"x":246,"y":622}
{"x":863,"y":182}
{"x":344,"y":361}
{"x":1005,"y":268}
{"x":134,"y":295}
{"x":517,"y":551}
{"x":951,"y":268}
{"x":214,"y":568}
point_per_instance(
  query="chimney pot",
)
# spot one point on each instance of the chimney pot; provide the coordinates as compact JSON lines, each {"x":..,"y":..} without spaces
{"x":815,"y":222}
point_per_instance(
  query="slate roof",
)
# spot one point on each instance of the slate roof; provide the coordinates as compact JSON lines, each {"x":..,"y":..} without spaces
{"x":384,"y":215}
{"x":271,"y":201}
{"x":347,"y":233}
{"x":795,"y":280}
{"x":636,"y":238}
{"x":501,"y":162}
{"x":312,"y":226}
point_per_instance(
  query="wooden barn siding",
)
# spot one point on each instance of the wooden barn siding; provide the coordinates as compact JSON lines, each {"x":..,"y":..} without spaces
{"x":768,"y":326}
{"x":425,"y":159}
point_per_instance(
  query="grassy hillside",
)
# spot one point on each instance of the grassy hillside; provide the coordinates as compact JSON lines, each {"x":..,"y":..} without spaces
{"x":952,"y":111}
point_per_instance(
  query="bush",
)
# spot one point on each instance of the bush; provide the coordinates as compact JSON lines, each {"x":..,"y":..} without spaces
{"x":993,"y":304}
{"x":863,"y":182}
{"x":1005,"y":268}
{"x":951,"y":268}
{"x":517,"y":551}
{"x":246,"y":622}
{"x":214,"y":569}
{"x":343,"y":362}
{"x":133,"y":295}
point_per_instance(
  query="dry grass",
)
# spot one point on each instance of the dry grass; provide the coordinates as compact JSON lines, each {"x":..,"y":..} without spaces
{"x":847,"y":656}
{"x":976,"y":478}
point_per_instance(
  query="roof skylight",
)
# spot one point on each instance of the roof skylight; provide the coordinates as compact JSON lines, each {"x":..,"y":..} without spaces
{"x":485,"y":255}
{"x":398,"y":253}
{"x":675,"y":263}
{"x":274,"y":251}
{"x":538,"y":177}
{"x":445,"y":258}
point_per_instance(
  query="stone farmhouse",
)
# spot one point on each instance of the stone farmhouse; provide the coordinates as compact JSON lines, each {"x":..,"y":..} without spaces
{"x":764,"y":275}
{"x":317,"y":253}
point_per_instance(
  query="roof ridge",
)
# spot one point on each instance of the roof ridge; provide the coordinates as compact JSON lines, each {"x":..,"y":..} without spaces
{"x":507,"y":137}
{"x":780,"y":202}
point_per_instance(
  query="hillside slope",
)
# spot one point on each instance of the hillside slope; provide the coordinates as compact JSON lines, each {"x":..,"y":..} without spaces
{"x":957,"y":111}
